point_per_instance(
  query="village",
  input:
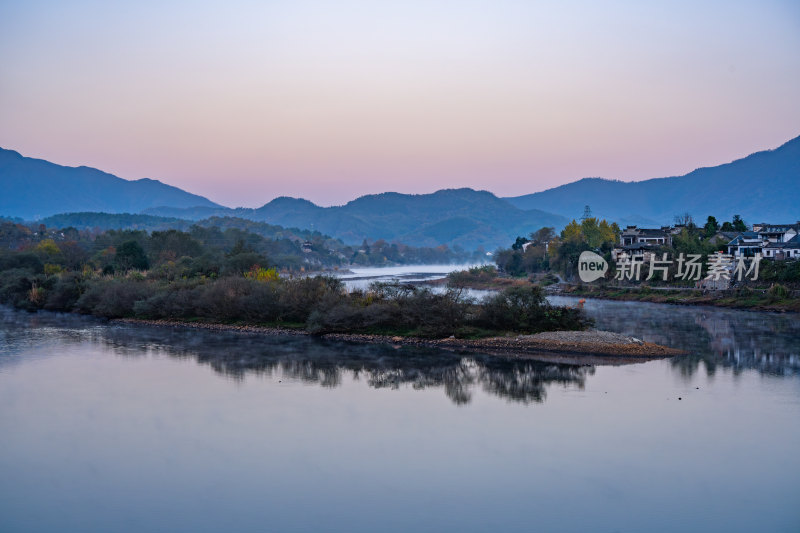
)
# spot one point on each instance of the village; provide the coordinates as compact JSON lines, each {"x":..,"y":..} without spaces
{"x":685,"y":256}
{"x":745,"y":250}
{"x":772,"y":241}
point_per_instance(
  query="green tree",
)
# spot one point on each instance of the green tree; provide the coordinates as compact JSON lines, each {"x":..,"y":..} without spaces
{"x":738,"y":223}
{"x":543,"y":235}
{"x":572,"y":233}
{"x":47,"y":248}
{"x":518,"y":244}
{"x":130,"y":255}
{"x":711,"y":227}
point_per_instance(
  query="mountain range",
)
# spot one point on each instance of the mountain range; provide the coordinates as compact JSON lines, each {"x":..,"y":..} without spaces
{"x":456,"y":217}
{"x":34,"y":188}
{"x":764,"y":186}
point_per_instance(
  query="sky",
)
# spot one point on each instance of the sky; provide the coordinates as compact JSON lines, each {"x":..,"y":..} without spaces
{"x":245,"y":101}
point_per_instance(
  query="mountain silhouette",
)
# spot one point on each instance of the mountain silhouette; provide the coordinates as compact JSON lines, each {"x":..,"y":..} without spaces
{"x":34,"y":188}
{"x":764,"y":186}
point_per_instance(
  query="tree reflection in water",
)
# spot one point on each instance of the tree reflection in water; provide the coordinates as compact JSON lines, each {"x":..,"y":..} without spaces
{"x":327,"y":362}
{"x":715,"y":338}
{"x":306,"y":359}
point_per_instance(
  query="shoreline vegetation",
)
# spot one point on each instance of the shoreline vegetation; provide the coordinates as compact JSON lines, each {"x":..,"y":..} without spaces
{"x":776,"y":298}
{"x":546,"y":254}
{"x":232,"y":279}
{"x":233,"y":276}
{"x":318,"y":305}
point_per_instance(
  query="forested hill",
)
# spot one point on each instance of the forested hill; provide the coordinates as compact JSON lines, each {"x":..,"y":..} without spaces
{"x":34,"y":188}
{"x":764,"y":186}
{"x":456,"y":217}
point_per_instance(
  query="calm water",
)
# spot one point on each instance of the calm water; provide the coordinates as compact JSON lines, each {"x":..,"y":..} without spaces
{"x":361,"y":278}
{"x":114,"y":428}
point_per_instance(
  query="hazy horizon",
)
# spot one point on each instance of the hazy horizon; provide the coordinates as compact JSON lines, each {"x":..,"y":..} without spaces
{"x":248,"y":102}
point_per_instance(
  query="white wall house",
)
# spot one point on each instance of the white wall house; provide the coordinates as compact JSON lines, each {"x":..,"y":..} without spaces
{"x":773,"y":241}
{"x":783,"y":250}
{"x":746,"y":244}
{"x":778,"y":233}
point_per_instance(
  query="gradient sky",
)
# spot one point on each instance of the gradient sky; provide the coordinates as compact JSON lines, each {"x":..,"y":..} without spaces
{"x":246,"y":101}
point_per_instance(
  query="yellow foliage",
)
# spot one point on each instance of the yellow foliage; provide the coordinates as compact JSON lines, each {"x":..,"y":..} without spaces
{"x":262,"y":274}
{"x":572,"y":232}
{"x":591,"y":231}
{"x":51,"y":269}
{"x":48,"y":246}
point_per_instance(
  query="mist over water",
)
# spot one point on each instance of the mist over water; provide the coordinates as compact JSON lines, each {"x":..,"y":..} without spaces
{"x":110,"y":427}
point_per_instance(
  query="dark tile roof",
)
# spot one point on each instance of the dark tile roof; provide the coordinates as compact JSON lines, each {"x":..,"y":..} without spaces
{"x":730,"y":235}
{"x":747,"y":235}
{"x":792,"y":243}
{"x":778,"y":228}
{"x":645,"y":232}
{"x":640,"y":246}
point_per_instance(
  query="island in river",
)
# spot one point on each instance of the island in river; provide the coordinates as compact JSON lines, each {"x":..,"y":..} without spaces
{"x":589,"y":347}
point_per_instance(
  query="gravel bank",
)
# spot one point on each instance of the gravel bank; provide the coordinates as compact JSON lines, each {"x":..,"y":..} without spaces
{"x":593,"y":336}
{"x":557,"y":343}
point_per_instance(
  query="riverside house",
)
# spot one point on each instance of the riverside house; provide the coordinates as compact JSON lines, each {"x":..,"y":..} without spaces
{"x":783,"y":250}
{"x":746,"y":244}
{"x":637,"y":242}
{"x":772,"y":241}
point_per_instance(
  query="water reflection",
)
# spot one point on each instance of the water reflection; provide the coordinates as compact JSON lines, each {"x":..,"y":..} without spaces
{"x":714,"y":337}
{"x":305,"y":359}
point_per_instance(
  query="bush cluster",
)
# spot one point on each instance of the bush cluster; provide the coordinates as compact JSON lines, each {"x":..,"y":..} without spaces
{"x":319,"y":304}
{"x":395,"y":308}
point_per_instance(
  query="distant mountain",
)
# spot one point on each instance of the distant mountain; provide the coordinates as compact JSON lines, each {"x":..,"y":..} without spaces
{"x":764,"y":186}
{"x":456,"y":217}
{"x":131,"y":221}
{"x":105,"y":221}
{"x":34,"y":188}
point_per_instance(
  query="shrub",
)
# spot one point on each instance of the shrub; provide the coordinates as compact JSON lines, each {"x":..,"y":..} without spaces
{"x":481,"y":274}
{"x":778,"y":291}
{"x":15,"y":287}
{"x":23,"y":260}
{"x":299,"y":297}
{"x":242,"y":262}
{"x":114,"y":298}
{"x":66,"y":292}
{"x":233,"y":299}
{"x":262,"y":274}
{"x":525,"y":309}
{"x":51,"y":269}
{"x":176,"y":300}
{"x":130,"y":255}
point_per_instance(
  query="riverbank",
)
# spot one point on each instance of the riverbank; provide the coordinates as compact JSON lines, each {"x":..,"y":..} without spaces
{"x":493,"y":284}
{"x":586,"y":347}
{"x":782,"y":300}
{"x":733,"y":299}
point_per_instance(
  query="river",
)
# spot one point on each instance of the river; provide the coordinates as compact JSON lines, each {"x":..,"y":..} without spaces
{"x":109,"y":427}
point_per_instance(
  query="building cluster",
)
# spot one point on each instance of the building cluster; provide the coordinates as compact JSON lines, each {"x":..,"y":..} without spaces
{"x":772,"y":241}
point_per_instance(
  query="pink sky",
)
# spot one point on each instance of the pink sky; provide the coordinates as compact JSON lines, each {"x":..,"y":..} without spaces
{"x":252,"y":101}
